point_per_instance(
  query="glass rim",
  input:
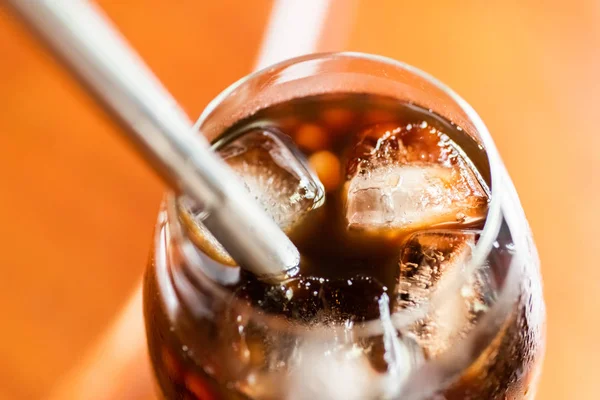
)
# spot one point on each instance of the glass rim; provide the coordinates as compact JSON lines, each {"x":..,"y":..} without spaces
{"x":479,"y":253}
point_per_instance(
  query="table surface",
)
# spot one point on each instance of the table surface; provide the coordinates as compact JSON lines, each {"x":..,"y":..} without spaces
{"x":78,"y":208}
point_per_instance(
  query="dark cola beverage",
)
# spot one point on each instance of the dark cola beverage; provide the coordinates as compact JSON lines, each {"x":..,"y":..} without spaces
{"x":386,"y":213}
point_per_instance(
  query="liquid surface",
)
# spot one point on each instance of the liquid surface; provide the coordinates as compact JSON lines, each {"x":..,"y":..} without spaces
{"x":385,"y":170}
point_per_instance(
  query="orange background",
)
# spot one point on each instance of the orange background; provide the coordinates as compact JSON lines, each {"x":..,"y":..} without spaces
{"x":78,"y":208}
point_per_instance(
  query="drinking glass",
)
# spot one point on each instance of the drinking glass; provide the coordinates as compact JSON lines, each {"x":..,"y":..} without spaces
{"x":206,"y":344}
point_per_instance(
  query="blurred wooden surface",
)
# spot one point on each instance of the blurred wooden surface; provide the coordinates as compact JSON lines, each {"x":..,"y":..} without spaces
{"x":78,"y":208}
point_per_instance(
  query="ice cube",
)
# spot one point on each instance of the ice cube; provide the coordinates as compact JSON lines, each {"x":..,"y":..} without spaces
{"x":304,"y":369}
{"x":403,"y":178}
{"x":344,"y":365}
{"x":274,"y":172}
{"x":429,"y":258}
{"x":327,"y":371}
{"x":432,"y":265}
{"x":371,"y":367}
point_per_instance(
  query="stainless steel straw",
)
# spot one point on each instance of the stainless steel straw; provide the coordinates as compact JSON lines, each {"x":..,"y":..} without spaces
{"x":91,"y":46}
